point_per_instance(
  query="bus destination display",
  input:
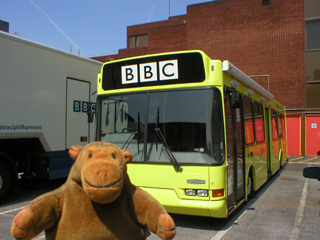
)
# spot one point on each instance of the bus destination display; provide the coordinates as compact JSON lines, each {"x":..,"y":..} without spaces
{"x":154,"y":71}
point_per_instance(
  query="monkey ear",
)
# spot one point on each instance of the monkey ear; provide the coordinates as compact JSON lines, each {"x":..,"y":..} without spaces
{"x":127,"y":155}
{"x":74,"y":151}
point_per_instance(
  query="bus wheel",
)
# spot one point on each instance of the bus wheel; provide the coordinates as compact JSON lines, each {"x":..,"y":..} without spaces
{"x":250,"y":186}
{"x":5,"y":181}
{"x":281,"y":158}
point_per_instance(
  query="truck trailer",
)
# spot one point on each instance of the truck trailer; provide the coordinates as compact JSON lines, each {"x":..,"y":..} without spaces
{"x":45,"y":94}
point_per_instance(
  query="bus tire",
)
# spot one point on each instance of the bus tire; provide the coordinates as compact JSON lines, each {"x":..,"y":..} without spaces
{"x":250,"y":192}
{"x":281,"y":158}
{"x":5,"y":181}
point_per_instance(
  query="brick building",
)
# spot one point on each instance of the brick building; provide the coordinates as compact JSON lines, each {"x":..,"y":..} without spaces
{"x":267,"y":39}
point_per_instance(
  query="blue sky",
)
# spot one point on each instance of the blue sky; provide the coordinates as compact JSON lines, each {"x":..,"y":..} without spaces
{"x":97,"y":27}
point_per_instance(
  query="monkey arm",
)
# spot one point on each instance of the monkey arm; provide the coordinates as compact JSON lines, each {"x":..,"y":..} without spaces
{"x":40,"y":214}
{"x":151,"y":213}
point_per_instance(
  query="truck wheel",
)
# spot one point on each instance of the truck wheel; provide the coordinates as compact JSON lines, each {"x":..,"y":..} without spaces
{"x":5,"y":181}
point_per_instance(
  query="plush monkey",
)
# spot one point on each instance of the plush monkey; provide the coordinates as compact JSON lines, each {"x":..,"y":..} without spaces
{"x":98,"y":201}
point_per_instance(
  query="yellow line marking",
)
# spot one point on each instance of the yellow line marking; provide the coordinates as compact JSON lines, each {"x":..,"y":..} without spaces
{"x":294,"y":159}
{"x":309,"y":159}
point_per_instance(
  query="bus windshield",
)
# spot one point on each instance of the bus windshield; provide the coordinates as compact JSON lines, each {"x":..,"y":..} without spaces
{"x":185,"y":126}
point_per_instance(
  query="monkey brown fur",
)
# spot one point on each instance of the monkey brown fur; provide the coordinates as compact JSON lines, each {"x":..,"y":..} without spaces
{"x":98,"y":201}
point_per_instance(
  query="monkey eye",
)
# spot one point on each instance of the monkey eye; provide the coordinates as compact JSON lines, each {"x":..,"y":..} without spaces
{"x":90,"y":155}
{"x":113,"y":155}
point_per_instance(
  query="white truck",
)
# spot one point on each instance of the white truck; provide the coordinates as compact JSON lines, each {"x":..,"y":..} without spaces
{"x":45,"y":94}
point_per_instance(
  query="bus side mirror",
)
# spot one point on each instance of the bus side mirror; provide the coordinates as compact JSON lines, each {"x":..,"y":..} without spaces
{"x":90,"y":114}
{"x":312,"y":172}
{"x":234,"y":100}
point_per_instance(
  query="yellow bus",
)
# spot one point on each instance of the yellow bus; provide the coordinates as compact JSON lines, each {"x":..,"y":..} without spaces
{"x":204,"y":136}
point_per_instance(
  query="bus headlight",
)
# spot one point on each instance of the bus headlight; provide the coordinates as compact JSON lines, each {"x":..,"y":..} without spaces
{"x":202,"y":193}
{"x":191,"y":192}
{"x":197,"y":192}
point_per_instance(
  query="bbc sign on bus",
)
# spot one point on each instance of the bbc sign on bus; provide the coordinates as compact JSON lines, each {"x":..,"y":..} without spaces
{"x":153,"y":71}
{"x":149,"y":72}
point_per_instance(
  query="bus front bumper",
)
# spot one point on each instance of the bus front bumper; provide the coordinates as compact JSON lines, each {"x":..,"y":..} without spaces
{"x":173,"y":204}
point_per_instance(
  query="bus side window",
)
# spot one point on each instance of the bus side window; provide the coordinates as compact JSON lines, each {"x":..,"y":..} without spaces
{"x":259,"y":123}
{"x":283,"y":126}
{"x":274,"y":125}
{"x":280,"y":126}
{"x":248,"y":120}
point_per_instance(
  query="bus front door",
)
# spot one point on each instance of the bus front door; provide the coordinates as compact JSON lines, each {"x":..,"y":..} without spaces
{"x":234,"y":133}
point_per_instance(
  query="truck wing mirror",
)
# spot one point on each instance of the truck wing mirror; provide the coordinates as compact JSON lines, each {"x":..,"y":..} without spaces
{"x":90,"y":114}
{"x":312,"y":172}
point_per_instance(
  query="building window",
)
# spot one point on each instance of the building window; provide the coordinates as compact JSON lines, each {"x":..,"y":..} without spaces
{"x":313,"y":33}
{"x":138,"y":41}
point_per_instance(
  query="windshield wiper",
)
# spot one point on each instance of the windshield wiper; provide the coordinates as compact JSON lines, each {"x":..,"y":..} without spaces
{"x":139,"y":132}
{"x":157,"y":123}
{"x":130,"y":138}
{"x":170,"y":155}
